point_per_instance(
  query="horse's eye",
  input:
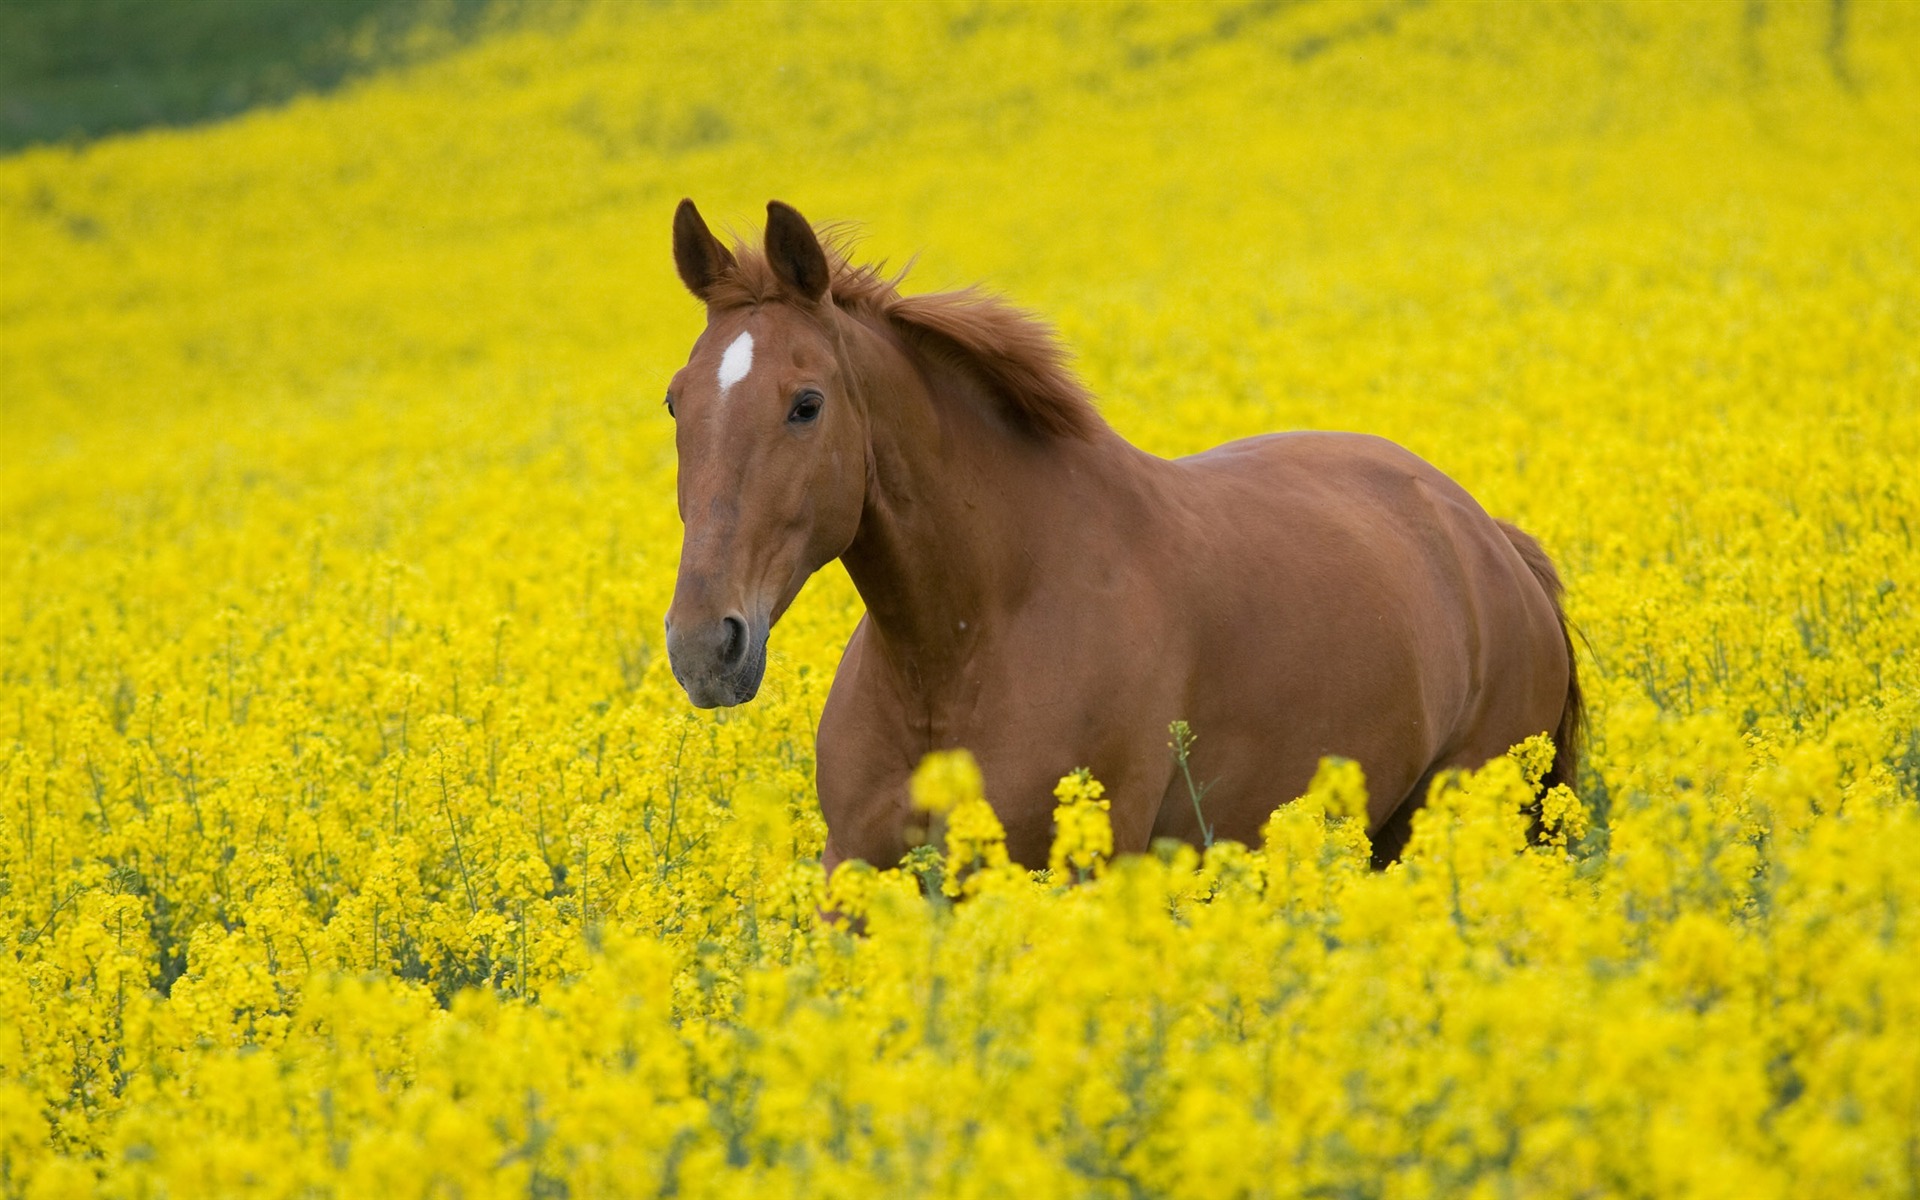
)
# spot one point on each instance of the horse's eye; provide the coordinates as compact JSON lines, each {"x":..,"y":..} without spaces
{"x":669,"y":403}
{"x":806,"y":407}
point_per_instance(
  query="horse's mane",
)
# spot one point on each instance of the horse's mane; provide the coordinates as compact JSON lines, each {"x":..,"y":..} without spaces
{"x":1017,"y":352}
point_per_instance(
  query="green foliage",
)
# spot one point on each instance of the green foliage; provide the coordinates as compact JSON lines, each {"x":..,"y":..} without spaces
{"x":75,"y":69}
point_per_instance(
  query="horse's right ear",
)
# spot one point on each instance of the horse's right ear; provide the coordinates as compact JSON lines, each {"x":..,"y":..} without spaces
{"x":794,"y":252}
{"x":697,"y":254}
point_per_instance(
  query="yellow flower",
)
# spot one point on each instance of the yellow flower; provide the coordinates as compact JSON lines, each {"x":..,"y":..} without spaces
{"x":944,"y":781}
{"x":1082,"y":832}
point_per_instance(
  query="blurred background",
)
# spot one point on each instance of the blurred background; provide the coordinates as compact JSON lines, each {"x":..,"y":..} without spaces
{"x":71,"y":70}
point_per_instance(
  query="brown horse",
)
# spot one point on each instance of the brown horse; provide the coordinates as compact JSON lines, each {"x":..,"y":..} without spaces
{"x":1048,"y":596}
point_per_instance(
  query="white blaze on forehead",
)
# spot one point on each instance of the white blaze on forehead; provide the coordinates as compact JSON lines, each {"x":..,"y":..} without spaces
{"x":736,"y":362}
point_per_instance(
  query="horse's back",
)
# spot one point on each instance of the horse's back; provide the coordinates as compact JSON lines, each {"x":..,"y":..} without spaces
{"x":1356,"y":599}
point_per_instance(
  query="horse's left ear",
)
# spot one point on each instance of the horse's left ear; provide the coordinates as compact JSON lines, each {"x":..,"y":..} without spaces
{"x":697,"y":254}
{"x":794,"y":252}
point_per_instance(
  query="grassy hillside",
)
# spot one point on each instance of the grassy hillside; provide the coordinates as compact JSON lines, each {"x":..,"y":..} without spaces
{"x":80,"y":69}
{"x":356,"y":840}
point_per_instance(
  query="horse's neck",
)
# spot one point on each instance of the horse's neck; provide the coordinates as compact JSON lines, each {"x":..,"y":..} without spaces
{"x":954,"y":503}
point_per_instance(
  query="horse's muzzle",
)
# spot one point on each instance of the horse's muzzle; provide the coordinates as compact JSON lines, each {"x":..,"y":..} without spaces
{"x":719,"y":663}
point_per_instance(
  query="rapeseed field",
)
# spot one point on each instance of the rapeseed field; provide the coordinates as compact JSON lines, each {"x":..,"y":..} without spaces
{"x":355,"y":839}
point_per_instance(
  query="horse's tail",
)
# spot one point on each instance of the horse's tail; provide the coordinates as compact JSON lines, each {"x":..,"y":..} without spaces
{"x":1571,"y":732}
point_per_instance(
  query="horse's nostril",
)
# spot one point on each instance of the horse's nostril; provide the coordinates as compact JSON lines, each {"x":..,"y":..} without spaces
{"x":736,"y":645}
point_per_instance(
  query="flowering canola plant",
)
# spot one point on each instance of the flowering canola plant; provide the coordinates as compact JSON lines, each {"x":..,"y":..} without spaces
{"x":355,"y":839}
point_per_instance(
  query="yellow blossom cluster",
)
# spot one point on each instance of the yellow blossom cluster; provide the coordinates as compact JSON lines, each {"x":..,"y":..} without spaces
{"x":355,"y":839}
{"x":1082,"y":832}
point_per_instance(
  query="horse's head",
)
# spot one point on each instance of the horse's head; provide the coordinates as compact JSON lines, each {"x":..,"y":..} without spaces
{"x":772,"y":447}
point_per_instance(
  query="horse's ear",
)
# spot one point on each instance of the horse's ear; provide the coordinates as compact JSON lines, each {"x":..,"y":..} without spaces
{"x":697,"y":254}
{"x":794,"y":253}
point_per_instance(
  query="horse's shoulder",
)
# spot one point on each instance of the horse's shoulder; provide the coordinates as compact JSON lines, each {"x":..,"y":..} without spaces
{"x":854,"y":676}
{"x":856,"y":744}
